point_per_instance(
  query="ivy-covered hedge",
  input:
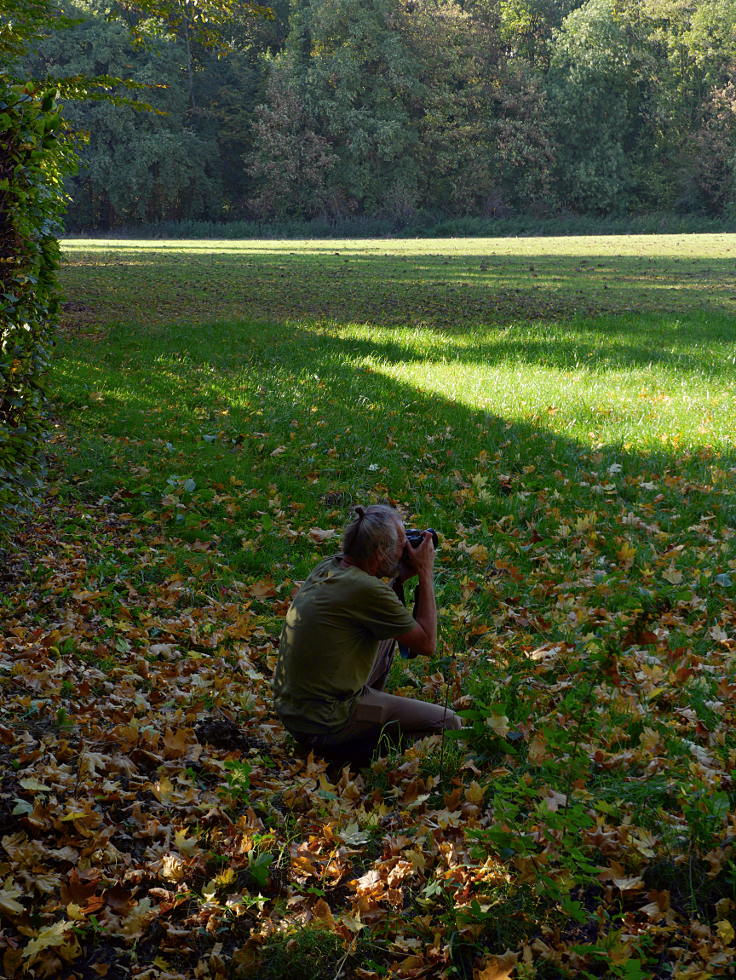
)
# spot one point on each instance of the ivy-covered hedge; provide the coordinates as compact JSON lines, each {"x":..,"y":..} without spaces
{"x":32,"y":160}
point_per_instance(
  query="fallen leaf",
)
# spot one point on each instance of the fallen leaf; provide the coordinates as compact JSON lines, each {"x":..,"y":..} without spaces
{"x":499,"y":724}
{"x":317,"y":534}
{"x":48,"y":937}
{"x":8,"y":895}
{"x":498,"y":967}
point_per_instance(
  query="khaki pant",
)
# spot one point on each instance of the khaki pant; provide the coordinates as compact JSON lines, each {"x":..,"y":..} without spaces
{"x":377,"y":715}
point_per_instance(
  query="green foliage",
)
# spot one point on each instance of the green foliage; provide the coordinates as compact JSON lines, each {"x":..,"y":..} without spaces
{"x":528,"y":26}
{"x":307,"y":953}
{"x":237,"y":788}
{"x":33,"y":156}
{"x":387,"y":111}
{"x":23,"y":22}
{"x":173,"y":170}
{"x":598,"y":94}
{"x":427,"y":224}
{"x":713,"y":161}
{"x":339,"y":114}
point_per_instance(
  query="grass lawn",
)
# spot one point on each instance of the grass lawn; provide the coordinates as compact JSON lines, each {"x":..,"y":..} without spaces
{"x":562,"y":411}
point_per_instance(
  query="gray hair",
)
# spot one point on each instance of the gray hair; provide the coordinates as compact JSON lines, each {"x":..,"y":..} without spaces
{"x":373,"y":530}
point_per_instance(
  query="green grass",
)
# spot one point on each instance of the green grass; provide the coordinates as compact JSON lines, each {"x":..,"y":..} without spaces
{"x":445,"y":283}
{"x":488,"y":432}
{"x":562,"y":411}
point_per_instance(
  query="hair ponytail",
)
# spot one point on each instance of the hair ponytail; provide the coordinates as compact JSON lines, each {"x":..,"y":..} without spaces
{"x":372,"y":531}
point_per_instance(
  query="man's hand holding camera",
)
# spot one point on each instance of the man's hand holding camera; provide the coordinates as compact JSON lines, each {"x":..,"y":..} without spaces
{"x":417,"y":558}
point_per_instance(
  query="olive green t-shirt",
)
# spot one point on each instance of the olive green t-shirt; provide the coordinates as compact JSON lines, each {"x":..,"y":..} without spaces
{"x":329,"y":642}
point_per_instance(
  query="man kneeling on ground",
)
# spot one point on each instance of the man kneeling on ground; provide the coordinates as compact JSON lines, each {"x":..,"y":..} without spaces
{"x":338,"y":642}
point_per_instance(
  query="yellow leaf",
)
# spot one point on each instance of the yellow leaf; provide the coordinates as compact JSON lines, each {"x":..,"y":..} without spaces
{"x":187,"y":845}
{"x":73,"y":815}
{"x":499,"y":724}
{"x":172,"y":867}
{"x":325,"y":785}
{"x":649,"y":739}
{"x":8,"y":897}
{"x":555,"y":800}
{"x":629,"y":884}
{"x":74,"y":912}
{"x":177,"y":742}
{"x":725,"y":932}
{"x":479,"y":553}
{"x":47,"y":938}
{"x":352,"y":923}
{"x":413,"y":962}
{"x":33,"y":784}
{"x":262,"y":589}
{"x":210,"y":889}
{"x":537,"y":749}
{"x":644,"y":842}
{"x":163,"y":790}
{"x":672,"y":575}
{"x":626,"y":553}
{"x":474,"y":793}
{"x":323,"y":913}
{"x":498,"y":967}
{"x":226,"y":877}
{"x":417,"y":859}
{"x":138,"y":918}
{"x":655,"y":692}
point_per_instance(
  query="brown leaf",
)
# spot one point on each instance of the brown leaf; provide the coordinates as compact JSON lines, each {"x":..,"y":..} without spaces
{"x":318,"y":535}
{"x":498,"y":967}
{"x":80,"y":886}
{"x":263,"y":589}
{"x":323,"y":913}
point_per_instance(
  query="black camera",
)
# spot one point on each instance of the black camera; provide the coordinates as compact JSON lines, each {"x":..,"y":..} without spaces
{"x":414,"y":536}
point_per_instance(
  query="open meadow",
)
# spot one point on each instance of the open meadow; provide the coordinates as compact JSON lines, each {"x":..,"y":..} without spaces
{"x":563,"y":412}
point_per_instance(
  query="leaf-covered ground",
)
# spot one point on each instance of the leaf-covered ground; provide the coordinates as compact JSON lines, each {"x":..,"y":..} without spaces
{"x":155,"y":819}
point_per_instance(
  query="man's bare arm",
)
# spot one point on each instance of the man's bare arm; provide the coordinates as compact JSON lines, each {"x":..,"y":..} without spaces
{"x":423,"y":637}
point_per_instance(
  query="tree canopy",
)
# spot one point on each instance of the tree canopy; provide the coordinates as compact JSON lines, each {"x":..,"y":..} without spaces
{"x":396,"y":107}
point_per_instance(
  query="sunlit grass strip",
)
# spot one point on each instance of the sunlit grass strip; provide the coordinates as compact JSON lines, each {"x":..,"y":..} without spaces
{"x":616,"y":246}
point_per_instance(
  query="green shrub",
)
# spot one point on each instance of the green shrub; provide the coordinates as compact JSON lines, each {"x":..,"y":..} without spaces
{"x":423,"y":224}
{"x":32,"y":159}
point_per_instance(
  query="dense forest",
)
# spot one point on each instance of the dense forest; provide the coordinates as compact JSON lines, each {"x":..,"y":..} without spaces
{"x":335,"y":108}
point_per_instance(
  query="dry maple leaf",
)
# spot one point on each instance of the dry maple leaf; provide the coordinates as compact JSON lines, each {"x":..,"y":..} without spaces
{"x":317,"y":534}
{"x":49,"y":937}
{"x":8,"y":895}
{"x":497,"y":967}
{"x":263,"y":589}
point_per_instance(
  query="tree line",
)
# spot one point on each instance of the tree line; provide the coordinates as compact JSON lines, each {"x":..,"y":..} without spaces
{"x":335,"y":108}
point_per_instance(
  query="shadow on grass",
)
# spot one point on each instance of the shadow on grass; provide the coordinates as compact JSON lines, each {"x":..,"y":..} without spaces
{"x":291,"y":410}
